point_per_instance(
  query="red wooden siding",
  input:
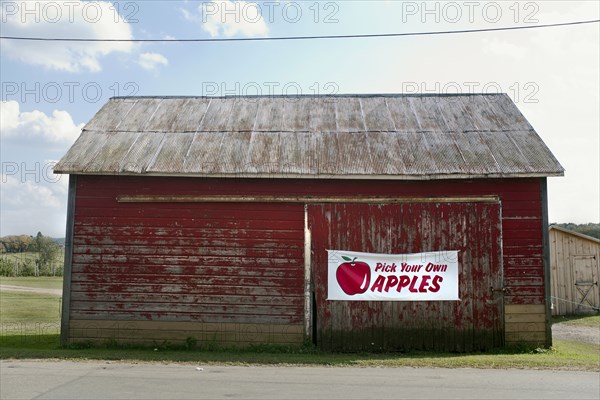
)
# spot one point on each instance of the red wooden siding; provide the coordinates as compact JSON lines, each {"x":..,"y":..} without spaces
{"x":217,"y":263}
{"x":473,"y":323}
{"x":242,"y":262}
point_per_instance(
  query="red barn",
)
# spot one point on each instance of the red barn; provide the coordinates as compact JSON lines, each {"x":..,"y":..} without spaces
{"x":208,"y":219}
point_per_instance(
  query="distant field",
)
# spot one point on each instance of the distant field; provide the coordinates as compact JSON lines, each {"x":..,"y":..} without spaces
{"x":22,"y":257}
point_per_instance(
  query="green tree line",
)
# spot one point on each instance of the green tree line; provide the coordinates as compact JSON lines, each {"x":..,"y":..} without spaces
{"x":44,"y":260}
{"x":589,"y":229}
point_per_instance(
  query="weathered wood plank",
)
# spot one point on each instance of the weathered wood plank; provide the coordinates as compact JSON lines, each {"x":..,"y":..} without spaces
{"x":514,"y":318}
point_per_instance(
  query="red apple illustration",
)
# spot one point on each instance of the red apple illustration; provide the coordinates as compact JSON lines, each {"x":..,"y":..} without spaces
{"x":353,"y":276}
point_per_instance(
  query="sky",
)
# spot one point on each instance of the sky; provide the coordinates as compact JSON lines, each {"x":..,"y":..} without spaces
{"x":49,"y":90}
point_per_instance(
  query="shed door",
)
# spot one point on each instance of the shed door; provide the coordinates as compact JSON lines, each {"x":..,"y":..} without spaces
{"x":586,"y":284}
{"x":473,"y":323}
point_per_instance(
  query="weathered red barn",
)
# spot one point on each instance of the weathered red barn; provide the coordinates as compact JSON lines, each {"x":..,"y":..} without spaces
{"x":208,"y":219}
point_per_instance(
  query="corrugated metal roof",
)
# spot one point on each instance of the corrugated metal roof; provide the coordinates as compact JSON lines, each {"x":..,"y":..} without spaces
{"x":345,"y":136}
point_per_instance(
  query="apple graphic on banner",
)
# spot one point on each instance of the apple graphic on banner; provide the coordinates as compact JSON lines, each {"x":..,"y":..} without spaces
{"x":353,"y":276}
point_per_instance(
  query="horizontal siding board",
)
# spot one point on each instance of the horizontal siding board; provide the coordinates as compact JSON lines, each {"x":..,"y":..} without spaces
{"x":222,"y":281}
{"x":149,"y":332}
{"x":185,"y":298}
{"x":185,"y":223}
{"x":182,"y":288}
{"x":86,"y":232}
{"x":130,"y":259}
{"x":191,"y":250}
{"x":188,"y":308}
{"x":187,"y":317}
{"x":139,"y":240}
{"x":290,"y":271}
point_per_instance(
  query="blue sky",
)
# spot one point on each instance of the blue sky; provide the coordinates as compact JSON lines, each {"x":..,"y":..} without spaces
{"x":49,"y":90}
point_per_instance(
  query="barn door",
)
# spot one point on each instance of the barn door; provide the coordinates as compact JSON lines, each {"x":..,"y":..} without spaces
{"x":473,"y":323}
{"x":586,"y":284}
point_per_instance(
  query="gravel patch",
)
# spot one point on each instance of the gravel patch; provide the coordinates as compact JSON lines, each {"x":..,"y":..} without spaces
{"x":575,"y":333}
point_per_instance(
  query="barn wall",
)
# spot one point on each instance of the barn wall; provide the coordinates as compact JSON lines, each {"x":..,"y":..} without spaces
{"x":565,"y":250}
{"x":112,"y":287}
{"x":229,"y":273}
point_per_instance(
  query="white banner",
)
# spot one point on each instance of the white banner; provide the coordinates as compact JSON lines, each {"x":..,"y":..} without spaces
{"x":396,"y":277}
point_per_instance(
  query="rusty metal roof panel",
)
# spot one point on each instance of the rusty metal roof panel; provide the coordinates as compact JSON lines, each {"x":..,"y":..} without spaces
{"x":243,"y":116}
{"x":377,"y":115}
{"x":204,"y":152}
{"x":137,"y":117}
{"x":111,"y":115}
{"x":142,"y":152}
{"x":428,"y":115}
{"x":366,"y":136}
{"x":171,"y":153}
{"x":403,"y":116}
{"x":322,"y":115}
{"x":348,"y":116}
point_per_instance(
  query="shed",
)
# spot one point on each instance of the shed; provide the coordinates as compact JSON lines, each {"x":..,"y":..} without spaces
{"x":208,"y":219}
{"x":574,"y":264}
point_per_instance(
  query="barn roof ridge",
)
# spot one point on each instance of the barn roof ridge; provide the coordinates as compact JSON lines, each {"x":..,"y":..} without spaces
{"x":387,"y":136}
{"x":307,"y":95}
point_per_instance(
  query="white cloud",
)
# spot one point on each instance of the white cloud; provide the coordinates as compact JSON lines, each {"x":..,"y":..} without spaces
{"x":229,"y":18}
{"x":151,"y":61}
{"x":33,"y":202}
{"x":73,"y":19}
{"x":36,"y":128}
{"x":32,"y":197}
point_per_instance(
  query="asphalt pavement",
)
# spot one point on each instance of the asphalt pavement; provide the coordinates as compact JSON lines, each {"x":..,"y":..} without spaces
{"x":40,"y":379}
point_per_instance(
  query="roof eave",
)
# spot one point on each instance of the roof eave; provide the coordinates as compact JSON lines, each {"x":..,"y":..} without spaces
{"x":250,"y":175}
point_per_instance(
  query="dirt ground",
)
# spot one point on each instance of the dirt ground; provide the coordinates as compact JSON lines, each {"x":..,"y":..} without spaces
{"x":27,"y":289}
{"x":564,"y":331}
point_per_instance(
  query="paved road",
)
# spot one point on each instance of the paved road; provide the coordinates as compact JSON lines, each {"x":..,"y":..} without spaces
{"x":109,"y":380}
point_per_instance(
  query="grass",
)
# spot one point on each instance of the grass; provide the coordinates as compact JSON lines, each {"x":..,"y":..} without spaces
{"x":33,"y":281}
{"x":30,"y":325}
{"x":564,"y":355}
{"x":19,"y":307}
